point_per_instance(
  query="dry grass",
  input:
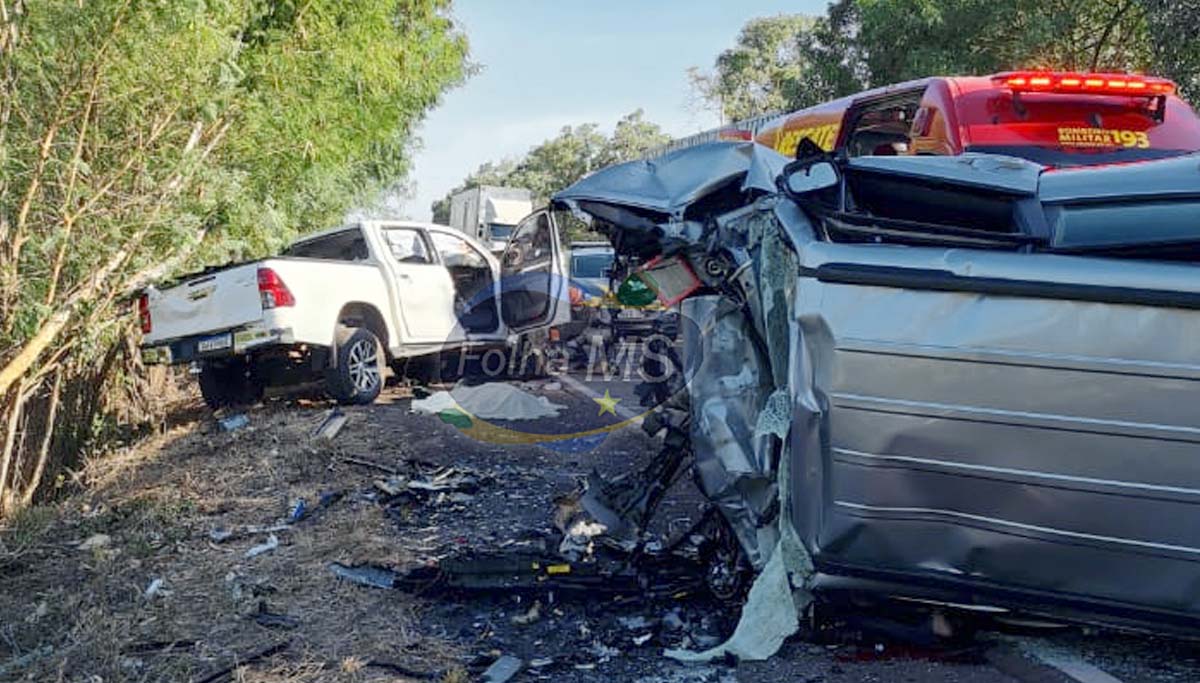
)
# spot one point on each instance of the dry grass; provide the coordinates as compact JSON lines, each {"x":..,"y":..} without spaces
{"x":69,"y":614}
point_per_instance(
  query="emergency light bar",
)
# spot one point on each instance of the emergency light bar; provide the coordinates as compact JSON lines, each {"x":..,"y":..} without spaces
{"x":1086,"y":83}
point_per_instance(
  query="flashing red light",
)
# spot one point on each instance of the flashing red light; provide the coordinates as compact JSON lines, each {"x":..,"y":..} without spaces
{"x":274,"y":293}
{"x":1097,"y":84}
{"x":734,"y":134}
{"x":144,"y":313}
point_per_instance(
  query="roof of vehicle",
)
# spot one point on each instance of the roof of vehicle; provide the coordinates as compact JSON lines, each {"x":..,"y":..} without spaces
{"x":391,"y":223}
{"x":960,"y":86}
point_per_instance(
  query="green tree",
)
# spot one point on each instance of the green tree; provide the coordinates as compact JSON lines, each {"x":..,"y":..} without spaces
{"x":1175,"y":43}
{"x":563,"y":159}
{"x":899,"y":40}
{"x":791,"y":61}
{"x":762,"y":73}
{"x":488,"y":173}
{"x":632,"y":138}
{"x":139,"y":137}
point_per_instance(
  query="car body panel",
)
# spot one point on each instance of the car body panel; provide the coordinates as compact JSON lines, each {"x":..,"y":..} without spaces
{"x":1004,"y":426}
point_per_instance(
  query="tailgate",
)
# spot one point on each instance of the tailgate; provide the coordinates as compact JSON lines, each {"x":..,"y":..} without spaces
{"x":207,"y":303}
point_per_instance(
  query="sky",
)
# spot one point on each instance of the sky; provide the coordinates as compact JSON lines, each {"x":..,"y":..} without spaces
{"x":545,"y":64}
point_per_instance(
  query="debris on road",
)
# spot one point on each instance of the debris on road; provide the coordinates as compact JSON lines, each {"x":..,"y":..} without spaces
{"x":334,"y":420}
{"x":263,"y":616}
{"x":444,"y":485}
{"x":532,"y":615}
{"x":233,"y":422}
{"x":270,"y":544}
{"x":241,"y":661}
{"x":503,"y":669}
{"x":492,"y":401}
{"x":366,"y":575}
{"x":300,"y":510}
{"x":156,"y":588}
{"x":220,"y":534}
{"x":95,"y":541}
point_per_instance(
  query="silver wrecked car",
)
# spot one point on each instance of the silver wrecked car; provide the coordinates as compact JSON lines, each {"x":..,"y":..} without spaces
{"x":968,"y":381}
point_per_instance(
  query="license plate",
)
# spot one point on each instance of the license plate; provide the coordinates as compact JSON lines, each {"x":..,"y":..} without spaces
{"x":220,"y":341}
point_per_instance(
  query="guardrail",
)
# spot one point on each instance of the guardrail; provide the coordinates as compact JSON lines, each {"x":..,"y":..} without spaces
{"x":746,"y":129}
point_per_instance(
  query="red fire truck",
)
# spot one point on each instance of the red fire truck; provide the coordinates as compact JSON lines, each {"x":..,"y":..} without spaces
{"x":1050,"y":117}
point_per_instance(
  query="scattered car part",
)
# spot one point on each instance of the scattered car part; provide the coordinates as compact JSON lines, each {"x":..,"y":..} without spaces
{"x":332,"y":423}
{"x":267,"y":546}
{"x":502,"y":670}
{"x":232,"y":423}
{"x":263,"y":616}
{"x":366,"y":575}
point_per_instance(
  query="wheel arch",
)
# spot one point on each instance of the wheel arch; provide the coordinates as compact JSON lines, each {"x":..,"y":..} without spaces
{"x":365,"y":315}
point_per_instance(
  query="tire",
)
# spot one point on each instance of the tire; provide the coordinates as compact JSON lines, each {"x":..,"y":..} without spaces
{"x":228,"y":383}
{"x":357,"y":377}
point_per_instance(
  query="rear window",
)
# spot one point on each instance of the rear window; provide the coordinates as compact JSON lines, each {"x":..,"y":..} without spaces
{"x":1074,"y":130}
{"x":347,"y":245}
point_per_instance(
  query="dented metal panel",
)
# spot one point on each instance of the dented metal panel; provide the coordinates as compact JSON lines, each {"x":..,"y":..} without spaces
{"x":1002,"y":426}
{"x":1035,"y":443}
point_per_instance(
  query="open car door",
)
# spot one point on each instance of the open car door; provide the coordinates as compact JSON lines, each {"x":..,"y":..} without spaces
{"x":533,"y":281}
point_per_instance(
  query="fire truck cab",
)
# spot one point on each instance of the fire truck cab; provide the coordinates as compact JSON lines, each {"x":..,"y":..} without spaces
{"x":1052,"y":118}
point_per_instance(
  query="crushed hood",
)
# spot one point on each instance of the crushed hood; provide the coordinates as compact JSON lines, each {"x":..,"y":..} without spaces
{"x":669,"y":184}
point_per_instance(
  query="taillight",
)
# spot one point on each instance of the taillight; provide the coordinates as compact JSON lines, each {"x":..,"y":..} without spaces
{"x":1097,"y":84}
{"x":273,"y":292}
{"x":144,"y":312}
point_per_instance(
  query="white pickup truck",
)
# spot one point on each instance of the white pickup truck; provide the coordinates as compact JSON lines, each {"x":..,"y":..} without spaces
{"x":344,"y":303}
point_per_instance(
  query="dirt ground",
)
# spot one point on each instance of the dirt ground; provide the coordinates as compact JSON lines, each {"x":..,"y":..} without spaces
{"x":144,"y":574}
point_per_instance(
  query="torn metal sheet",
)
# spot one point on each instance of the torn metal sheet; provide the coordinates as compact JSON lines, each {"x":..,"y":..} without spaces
{"x":669,"y":184}
{"x":940,"y":412}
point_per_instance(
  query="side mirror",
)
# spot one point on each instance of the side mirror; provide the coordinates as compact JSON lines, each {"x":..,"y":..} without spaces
{"x":803,"y":177}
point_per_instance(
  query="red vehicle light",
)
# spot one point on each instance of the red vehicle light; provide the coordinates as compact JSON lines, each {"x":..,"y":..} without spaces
{"x":144,"y":313}
{"x":1098,"y":84}
{"x":274,"y":293}
{"x":734,"y":134}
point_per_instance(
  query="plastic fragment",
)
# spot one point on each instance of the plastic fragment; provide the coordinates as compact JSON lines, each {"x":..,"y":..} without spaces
{"x":366,"y":575}
{"x":502,"y":669}
{"x":233,"y":422}
{"x":270,"y":544}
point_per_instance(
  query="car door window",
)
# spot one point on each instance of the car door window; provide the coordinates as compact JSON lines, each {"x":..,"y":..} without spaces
{"x":527,"y":289}
{"x":456,"y":252}
{"x":407,"y":245}
{"x":532,"y":246}
{"x":882,"y":128}
{"x":471,"y":272}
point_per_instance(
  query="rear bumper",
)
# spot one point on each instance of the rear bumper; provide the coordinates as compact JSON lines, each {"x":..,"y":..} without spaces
{"x":188,"y":349}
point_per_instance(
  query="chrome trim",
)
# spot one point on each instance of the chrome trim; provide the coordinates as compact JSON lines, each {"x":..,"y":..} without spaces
{"x":946,"y":466}
{"x":1050,"y":361}
{"x":948,"y":515}
{"x":1016,"y":418}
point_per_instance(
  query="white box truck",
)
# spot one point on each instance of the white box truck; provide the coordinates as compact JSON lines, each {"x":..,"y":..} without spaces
{"x":489,"y":214}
